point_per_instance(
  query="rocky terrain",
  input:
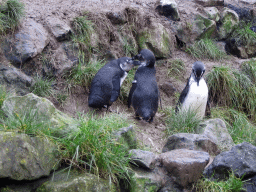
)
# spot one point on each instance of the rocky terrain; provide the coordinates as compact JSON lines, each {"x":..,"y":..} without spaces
{"x":42,"y":46}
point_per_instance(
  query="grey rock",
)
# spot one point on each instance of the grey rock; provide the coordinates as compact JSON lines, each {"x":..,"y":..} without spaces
{"x":26,"y":158}
{"x":142,"y":158}
{"x":59,"y":29}
{"x":75,"y":181}
{"x":212,"y":13}
{"x":13,"y":78}
{"x":168,"y":8}
{"x":31,"y":39}
{"x":241,"y":159}
{"x":42,"y":110}
{"x":127,"y":134}
{"x":185,"y":166}
{"x":192,"y":142}
{"x":208,"y":3}
{"x":168,"y":88}
{"x":250,"y":184}
{"x":216,"y":130}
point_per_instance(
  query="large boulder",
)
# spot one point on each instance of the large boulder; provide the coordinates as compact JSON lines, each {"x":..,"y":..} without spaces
{"x":229,"y":20}
{"x":191,"y":141}
{"x":168,"y":8}
{"x":157,"y":39}
{"x":241,"y":160}
{"x":212,"y":13}
{"x":26,"y":158}
{"x":216,"y":130}
{"x":14,"y":78}
{"x":31,"y":39}
{"x":40,"y":110}
{"x":59,"y":29}
{"x":74,"y":181}
{"x":185,"y":166}
{"x":145,"y":159}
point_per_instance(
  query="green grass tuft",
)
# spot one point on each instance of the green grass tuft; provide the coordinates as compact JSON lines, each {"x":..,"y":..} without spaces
{"x":249,"y":68}
{"x":176,"y":68}
{"x":232,"y":184}
{"x":206,"y":49}
{"x":3,"y":95}
{"x":11,"y":12}
{"x":42,"y":87}
{"x":239,"y":126}
{"x":182,"y":121}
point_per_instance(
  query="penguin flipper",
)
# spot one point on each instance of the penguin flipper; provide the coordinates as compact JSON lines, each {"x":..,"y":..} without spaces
{"x":134,"y":85}
{"x":182,"y":96}
{"x":116,"y":89}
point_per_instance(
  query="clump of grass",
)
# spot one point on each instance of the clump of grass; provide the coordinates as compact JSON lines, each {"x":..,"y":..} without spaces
{"x":176,"y":68}
{"x":42,"y":87}
{"x":184,"y":121}
{"x":3,"y":95}
{"x":84,"y":72}
{"x":11,"y":12}
{"x":232,"y":88}
{"x":239,"y":126}
{"x":232,"y":184}
{"x":249,"y":68}
{"x":206,"y":49}
{"x":243,"y":35}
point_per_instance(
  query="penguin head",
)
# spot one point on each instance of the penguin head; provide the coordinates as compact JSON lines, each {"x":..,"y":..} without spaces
{"x":146,"y":57}
{"x":126,"y":63}
{"x":198,"y":70}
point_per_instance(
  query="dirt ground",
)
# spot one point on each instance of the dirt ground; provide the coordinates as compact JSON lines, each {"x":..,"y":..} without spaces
{"x":151,"y":135}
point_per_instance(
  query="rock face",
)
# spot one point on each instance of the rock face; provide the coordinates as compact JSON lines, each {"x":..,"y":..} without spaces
{"x":42,"y":110}
{"x":79,"y":182}
{"x":250,"y":184}
{"x":241,"y":159}
{"x":229,"y":20}
{"x":142,"y":158}
{"x":60,"y":30}
{"x":26,"y":158}
{"x":192,"y":142}
{"x":186,"y":166}
{"x":212,"y":13}
{"x":216,"y":130}
{"x":27,"y":43}
{"x":157,"y":39}
{"x":14,"y":78}
{"x":168,"y":8}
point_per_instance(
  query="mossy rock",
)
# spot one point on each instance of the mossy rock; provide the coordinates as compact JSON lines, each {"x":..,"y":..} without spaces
{"x":204,"y":27}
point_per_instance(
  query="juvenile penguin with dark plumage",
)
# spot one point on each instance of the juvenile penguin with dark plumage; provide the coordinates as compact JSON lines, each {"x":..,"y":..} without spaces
{"x":195,"y":95}
{"x":106,"y":84}
{"x":144,"y":92}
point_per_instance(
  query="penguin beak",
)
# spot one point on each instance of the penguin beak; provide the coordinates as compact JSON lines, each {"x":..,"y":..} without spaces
{"x":136,"y":63}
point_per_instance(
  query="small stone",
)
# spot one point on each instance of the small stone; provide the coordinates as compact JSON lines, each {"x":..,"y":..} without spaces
{"x":142,"y":158}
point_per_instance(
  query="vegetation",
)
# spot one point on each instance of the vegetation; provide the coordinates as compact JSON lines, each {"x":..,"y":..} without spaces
{"x":3,"y":95}
{"x":176,"y":68}
{"x":232,"y":88}
{"x":11,"y":12}
{"x":243,"y":35}
{"x":206,"y":49}
{"x":94,"y":147}
{"x":84,"y":72}
{"x":233,"y":184}
{"x":238,"y":124}
{"x":182,"y":121}
{"x":42,"y":87}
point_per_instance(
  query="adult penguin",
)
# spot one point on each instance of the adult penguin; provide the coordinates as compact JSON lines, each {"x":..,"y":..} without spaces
{"x":195,"y":95}
{"x":144,"y":92}
{"x":106,"y":84}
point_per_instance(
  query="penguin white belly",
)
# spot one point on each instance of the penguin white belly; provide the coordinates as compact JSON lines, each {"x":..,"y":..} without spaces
{"x":196,"y":98}
{"x":123,"y":78}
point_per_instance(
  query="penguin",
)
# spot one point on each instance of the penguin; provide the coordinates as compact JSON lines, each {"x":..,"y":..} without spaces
{"x":144,"y":93}
{"x":195,"y":94}
{"x":106,"y":84}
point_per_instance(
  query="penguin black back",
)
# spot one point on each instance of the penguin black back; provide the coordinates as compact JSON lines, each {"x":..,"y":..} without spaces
{"x":144,"y":93}
{"x":105,"y":86}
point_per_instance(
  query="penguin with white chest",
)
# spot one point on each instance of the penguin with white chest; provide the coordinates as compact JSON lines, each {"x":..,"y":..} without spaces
{"x":144,"y":92}
{"x":106,"y":84}
{"x":195,"y":95}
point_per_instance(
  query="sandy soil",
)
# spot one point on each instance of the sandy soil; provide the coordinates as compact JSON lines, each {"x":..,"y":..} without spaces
{"x":151,"y":135}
